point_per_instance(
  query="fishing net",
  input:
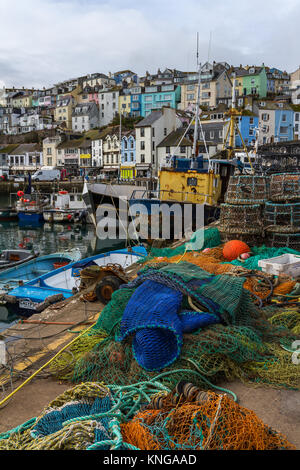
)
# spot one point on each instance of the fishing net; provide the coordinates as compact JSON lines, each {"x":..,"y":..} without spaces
{"x":143,"y":416}
{"x":288,"y":317}
{"x":243,"y":336}
{"x":201,"y":239}
{"x":200,"y":421}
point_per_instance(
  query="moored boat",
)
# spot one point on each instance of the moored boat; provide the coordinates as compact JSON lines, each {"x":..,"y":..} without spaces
{"x":8,"y":214}
{"x":11,"y":258}
{"x":18,"y":275}
{"x":64,"y":282}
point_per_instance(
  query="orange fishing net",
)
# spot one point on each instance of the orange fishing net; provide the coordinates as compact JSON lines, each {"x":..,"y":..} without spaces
{"x":214,"y":262}
{"x":213,"y":422}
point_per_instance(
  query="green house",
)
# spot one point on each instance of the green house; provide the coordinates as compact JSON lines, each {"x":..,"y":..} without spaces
{"x":255,"y":82}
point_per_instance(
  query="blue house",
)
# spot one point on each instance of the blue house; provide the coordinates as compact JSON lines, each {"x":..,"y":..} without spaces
{"x":159,"y":96}
{"x":127,"y":75}
{"x":136,"y":100}
{"x":128,"y":157}
{"x":247,"y":125}
{"x":284,"y":124}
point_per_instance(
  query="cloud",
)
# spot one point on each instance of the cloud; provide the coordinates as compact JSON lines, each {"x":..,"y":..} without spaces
{"x":45,"y":41}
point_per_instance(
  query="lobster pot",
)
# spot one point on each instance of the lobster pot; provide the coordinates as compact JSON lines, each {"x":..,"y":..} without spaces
{"x":253,"y":239}
{"x":282,"y":217}
{"x":238,"y":218}
{"x":247,"y":189}
{"x":279,"y":240}
{"x":285,"y":187}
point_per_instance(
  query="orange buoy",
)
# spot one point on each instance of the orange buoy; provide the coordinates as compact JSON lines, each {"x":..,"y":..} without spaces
{"x":234,"y":248}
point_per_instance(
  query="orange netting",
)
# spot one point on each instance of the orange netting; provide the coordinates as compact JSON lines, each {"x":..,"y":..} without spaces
{"x":215,"y":422}
{"x":212,"y":263}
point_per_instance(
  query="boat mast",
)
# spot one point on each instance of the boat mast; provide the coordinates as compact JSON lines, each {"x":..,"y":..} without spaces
{"x":198,"y":103}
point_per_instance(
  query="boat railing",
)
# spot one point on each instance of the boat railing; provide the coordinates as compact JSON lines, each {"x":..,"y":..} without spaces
{"x":164,"y":195}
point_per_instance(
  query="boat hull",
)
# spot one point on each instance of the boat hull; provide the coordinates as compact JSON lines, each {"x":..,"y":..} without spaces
{"x":30,"y":217}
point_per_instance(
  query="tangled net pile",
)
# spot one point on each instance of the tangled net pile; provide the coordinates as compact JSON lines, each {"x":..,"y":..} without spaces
{"x":145,"y":416}
{"x":244,"y":344}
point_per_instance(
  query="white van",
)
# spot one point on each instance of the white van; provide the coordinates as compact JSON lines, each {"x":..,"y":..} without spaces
{"x":46,"y":174}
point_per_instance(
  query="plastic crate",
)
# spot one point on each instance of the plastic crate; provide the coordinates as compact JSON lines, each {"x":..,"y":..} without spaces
{"x":285,"y":264}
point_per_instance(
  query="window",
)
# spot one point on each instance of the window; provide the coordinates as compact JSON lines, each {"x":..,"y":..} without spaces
{"x":153,"y":132}
{"x":211,"y":135}
{"x":251,"y":120}
{"x":165,"y":131}
{"x":168,"y":150}
{"x":142,"y":132}
{"x":182,"y":149}
{"x":142,"y":145}
{"x":297,"y":128}
{"x":142,"y":158}
{"x":191,"y":87}
{"x":265,"y":117}
{"x":297,"y":117}
{"x":49,"y":151}
{"x":49,"y":161}
{"x":191,"y":97}
{"x":284,"y":118}
{"x":284,"y":130}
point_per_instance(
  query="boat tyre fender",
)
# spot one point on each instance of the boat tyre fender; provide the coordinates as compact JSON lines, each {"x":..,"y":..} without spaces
{"x":106,"y":287}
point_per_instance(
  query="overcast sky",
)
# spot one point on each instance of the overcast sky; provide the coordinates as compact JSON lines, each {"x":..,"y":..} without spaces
{"x":45,"y":41}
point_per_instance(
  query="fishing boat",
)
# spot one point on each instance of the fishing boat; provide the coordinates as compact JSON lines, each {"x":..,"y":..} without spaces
{"x":65,"y":207}
{"x":64,"y":282}
{"x":29,"y":207}
{"x":13,"y":277}
{"x":12,"y":258}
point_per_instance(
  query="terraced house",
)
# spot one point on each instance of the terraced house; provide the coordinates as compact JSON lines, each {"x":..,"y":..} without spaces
{"x":159,"y":96}
{"x":215,"y":87}
{"x":63,"y":111}
{"x":85,"y":117}
{"x":276,"y":121}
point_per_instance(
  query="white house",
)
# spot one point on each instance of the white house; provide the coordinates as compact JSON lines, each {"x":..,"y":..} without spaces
{"x":97,"y":153}
{"x":85,"y":117}
{"x":26,"y":157}
{"x":108,"y":106}
{"x":150,"y":132}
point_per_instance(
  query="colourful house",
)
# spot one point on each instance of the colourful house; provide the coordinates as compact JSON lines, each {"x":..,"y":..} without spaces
{"x":128,"y":157}
{"x":255,"y":82}
{"x":247,"y":126}
{"x":157,"y":97}
{"x":125,"y":104}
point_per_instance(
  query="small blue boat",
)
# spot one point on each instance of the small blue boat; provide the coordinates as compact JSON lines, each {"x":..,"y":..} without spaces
{"x":18,"y":275}
{"x":63,"y":283}
{"x":30,"y":217}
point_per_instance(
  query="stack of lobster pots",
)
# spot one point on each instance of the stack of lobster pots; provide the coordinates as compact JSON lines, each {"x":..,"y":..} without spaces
{"x":282,"y":211}
{"x":241,"y":216}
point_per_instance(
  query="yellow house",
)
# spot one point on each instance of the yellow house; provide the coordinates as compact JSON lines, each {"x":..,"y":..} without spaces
{"x":22,"y":101}
{"x":125,"y":104}
{"x":63,"y":111}
{"x":212,"y":91}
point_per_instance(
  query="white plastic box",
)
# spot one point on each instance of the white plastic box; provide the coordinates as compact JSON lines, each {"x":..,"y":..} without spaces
{"x":284,"y":264}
